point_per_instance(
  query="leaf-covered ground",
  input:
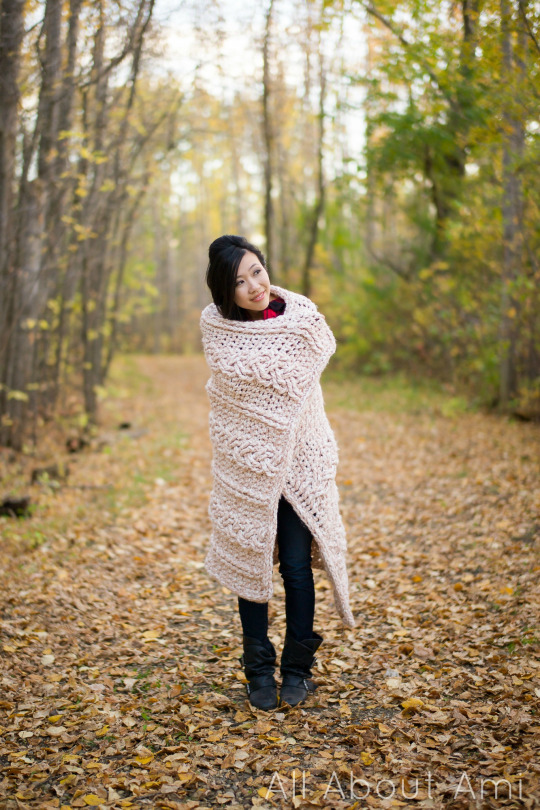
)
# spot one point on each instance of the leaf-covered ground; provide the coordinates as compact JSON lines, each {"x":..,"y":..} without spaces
{"x":119,"y":671}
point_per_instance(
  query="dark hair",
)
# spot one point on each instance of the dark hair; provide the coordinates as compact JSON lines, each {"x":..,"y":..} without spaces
{"x":225,"y":254}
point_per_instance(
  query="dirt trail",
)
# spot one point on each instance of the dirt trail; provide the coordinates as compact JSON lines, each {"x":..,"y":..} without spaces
{"x":119,"y":668}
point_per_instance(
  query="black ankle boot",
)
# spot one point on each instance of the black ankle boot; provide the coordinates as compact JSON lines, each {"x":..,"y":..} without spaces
{"x":297,"y":659}
{"x":259,"y":662}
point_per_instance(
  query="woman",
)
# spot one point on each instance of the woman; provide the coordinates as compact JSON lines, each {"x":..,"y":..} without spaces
{"x":274,"y":463}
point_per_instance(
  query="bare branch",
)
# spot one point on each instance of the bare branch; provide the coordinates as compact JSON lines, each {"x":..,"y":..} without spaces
{"x":404,"y":273}
{"x":405,"y":42}
{"x":522,"y":11}
{"x":133,"y":36}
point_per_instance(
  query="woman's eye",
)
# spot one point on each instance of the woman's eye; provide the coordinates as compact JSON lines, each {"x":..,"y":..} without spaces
{"x":258,"y":270}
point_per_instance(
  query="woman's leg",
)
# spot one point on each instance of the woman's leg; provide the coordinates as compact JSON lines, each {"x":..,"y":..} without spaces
{"x":259,"y":657}
{"x":254,"y":618}
{"x":294,"y":546}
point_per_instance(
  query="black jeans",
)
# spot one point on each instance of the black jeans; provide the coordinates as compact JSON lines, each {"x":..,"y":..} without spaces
{"x":294,"y":549}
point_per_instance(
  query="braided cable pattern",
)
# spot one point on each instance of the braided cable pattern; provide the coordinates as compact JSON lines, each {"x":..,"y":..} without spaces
{"x":270,"y":436}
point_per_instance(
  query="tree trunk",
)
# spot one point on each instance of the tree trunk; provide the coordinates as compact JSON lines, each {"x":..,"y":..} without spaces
{"x":268,"y":142}
{"x":33,"y":282}
{"x":513,"y":137}
{"x":47,"y":129}
{"x":26,"y":332}
{"x":59,"y":197}
{"x":11,"y":34}
{"x":318,"y":207}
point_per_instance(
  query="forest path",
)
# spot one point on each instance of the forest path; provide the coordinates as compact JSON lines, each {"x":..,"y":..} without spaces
{"x":119,"y":668}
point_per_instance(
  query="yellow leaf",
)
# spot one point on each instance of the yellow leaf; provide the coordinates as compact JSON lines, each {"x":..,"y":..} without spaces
{"x":55,"y":718}
{"x":266,"y":793}
{"x":344,"y":709}
{"x":102,"y":731}
{"x":93,"y":800}
{"x":185,"y":777}
{"x":20,"y":395}
{"x":366,"y":758}
{"x":440,"y":265}
{"x":420,"y":316}
{"x":150,"y":634}
{"x":144,"y":760}
{"x":417,"y":578}
{"x":412,"y":703}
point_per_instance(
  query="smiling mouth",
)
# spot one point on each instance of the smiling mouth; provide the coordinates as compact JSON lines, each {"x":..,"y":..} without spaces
{"x":259,"y":298}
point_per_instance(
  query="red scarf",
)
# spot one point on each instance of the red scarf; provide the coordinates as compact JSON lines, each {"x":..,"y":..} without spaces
{"x":274,"y":308}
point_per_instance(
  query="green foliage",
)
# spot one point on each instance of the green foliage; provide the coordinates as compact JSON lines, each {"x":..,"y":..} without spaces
{"x":413,"y":264}
{"x":421,"y":289}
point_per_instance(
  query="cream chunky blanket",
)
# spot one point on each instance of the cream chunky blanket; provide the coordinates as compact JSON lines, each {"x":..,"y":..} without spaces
{"x":271,"y":437}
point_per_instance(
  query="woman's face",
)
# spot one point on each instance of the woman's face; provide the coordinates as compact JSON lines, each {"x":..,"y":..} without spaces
{"x":252,"y":288}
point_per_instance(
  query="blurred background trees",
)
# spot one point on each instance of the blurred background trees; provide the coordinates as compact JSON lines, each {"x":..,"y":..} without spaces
{"x":383,"y":155}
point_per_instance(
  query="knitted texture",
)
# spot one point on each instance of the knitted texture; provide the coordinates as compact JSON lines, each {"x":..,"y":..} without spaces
{"x":271,"y":437}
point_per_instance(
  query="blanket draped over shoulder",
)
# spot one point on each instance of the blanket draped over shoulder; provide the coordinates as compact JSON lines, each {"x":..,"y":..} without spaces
{"x":271,"y":437}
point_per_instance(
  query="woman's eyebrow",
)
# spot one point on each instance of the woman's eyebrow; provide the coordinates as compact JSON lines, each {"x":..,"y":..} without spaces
{"x":256,"y":264}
